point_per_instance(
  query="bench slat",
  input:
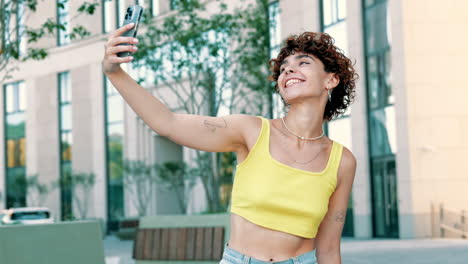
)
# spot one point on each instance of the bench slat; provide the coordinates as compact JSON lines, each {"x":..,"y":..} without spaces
{"x":218,"y":243}
{"x":182,"y":244}
{"x":199,"y":243}
{"x":208,"y":243}
{"x":148,"y":244}
{"x":164,"y":254}
{"x":173,"y":235}
{"x":196,"y":244}
{"x":156,"y":249}
{"x":191,"y":239}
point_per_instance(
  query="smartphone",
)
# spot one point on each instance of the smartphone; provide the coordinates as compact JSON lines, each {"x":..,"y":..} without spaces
{"x":133,"y":15}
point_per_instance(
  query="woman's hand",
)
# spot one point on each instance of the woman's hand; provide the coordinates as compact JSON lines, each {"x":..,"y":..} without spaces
{"x":111,"y":62}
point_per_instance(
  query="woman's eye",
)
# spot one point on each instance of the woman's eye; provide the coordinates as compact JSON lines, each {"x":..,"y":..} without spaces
{"x":303,"y":62}
{"x":281,"y":70}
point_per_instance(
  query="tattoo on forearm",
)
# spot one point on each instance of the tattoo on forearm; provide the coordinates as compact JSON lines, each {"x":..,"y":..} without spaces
{"x":212,"y":125}
{"x":340,"y":216}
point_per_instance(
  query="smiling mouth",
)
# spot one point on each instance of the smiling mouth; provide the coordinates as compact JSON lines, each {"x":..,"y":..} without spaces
{"x":292,"y":82}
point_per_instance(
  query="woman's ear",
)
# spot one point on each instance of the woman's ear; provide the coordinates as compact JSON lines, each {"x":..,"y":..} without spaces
{"x":333,"y":80}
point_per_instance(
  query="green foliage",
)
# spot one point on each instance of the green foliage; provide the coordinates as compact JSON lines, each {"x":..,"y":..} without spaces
{"x":88,"y":8}
{"x":13,"y":33}
{"x":176,"y":177}
{"x":139,"y":182}
{"x":201,"y":57}
{"x":37,"y":191}
{"x":80,"y":185}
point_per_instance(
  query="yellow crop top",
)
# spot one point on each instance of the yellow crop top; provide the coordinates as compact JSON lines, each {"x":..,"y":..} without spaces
{"x":276,"y":196}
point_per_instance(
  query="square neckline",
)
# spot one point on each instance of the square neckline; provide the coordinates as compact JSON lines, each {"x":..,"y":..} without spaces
{"x":322,"y":172}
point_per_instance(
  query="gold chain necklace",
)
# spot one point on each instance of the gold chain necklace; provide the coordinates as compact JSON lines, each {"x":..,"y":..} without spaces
{"x":285,"y":148}
{"x":301,"y":137}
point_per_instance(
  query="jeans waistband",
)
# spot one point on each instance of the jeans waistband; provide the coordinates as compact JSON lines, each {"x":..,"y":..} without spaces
{"x":237,"y":257}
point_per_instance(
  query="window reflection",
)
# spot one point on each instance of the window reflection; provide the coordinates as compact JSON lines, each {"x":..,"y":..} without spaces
{"x":275,"y":43}
{"x":15,"y":141}
{"x":16,"y":152}
{"x":121,"y":9}
{"x":66,"y":117}
{"x":383,"y":131}
{"x":115,"y":109}
{"x":376,"y":27}
{"x":109,"y":15}
{"x":63,"y":20}
{"x":155,"y":7}
{"x":115,"y":133}
{"x":338,"y":32}
{"x":67,"y":142}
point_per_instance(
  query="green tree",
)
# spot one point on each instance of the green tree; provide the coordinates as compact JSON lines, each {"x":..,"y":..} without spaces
{"x":14,"y":30}
{"x":80,"y":184}
{"x":176,"y":177}
{"x":209,"y":61}
{"x":139,"y":182}
{"x":36,"y":192}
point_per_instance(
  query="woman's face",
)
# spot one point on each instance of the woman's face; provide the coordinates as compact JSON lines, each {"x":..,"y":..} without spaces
{"x":302,"y":76}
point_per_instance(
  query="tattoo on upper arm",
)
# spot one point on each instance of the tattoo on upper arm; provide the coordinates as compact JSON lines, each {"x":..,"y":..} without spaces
{"x":211,"y":125}
{"x":340,"y":216}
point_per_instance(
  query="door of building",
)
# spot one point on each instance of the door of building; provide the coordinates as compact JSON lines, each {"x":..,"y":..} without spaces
{"x":385,"y":197}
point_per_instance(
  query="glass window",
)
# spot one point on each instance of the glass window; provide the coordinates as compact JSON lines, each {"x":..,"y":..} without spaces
{"x":327,"y":12}
{"x":174,"y":4}
{"x":10,"y":98}
{"x":66,"y":142}
{"x":121,"y":9}
{"x":115,"y":133}
{"x":339,"y":33}
{"x":275,"y":46}
{"x":15,"y":94}
{"x":65,"y":87}
{"x":389,"y":96}
{"x":155,"y":7}
{"x":377,"y":37}
{"x":342,"y":8}
{"x":64,"y":20}
{"x":7,"y":6}
{"x":115,"y":109}
{"x":110,"y":17}
{"x":373,"y":81}
{"x":20,"y":21}
{"x":66,"y":117}
{"x":382,"y":129}
{"x":275,"y":26}
{"x":15,"y":144}
{"x":333,"y":11}
{"x":21,"y":96}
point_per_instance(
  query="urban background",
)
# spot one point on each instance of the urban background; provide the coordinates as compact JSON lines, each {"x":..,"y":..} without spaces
{"x":69,"y":142}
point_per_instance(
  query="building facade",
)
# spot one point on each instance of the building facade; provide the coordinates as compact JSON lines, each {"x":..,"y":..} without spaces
{"x":408,"y":127}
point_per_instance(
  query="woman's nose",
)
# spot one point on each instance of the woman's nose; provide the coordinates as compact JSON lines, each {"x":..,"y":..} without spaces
{"x":289,"y":69}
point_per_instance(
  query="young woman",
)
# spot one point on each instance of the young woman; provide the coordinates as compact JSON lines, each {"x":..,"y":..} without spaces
{"x":292,"y":183}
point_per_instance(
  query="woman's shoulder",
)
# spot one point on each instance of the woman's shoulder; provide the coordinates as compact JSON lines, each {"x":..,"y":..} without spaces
{"x":348,"y":165}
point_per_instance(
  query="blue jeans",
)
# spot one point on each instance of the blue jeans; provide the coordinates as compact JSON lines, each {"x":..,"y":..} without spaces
{"x":230,"y":256}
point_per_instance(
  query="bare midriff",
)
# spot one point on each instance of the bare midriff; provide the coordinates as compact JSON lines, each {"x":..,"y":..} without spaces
{"x":266,"y":244}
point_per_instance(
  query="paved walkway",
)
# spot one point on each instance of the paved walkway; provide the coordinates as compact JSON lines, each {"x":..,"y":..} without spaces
{"x":354,"y":251}
{"x":411,"y":251}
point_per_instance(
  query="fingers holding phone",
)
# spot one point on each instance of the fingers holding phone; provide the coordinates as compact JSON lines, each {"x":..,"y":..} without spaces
{"x":121,"y":43}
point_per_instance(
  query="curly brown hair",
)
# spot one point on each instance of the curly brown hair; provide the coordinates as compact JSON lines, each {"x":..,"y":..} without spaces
{"x":321,"y":45}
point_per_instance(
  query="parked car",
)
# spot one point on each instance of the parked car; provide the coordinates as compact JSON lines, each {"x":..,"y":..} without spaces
{"x":27,"y":216}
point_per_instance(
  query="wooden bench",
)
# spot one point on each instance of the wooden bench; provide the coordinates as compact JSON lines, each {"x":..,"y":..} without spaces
{"x":58,"y":243}
{"x":178,"y":239}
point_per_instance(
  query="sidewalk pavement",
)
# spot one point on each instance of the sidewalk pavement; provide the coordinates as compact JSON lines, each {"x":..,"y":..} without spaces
{"x":354,"y":251}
